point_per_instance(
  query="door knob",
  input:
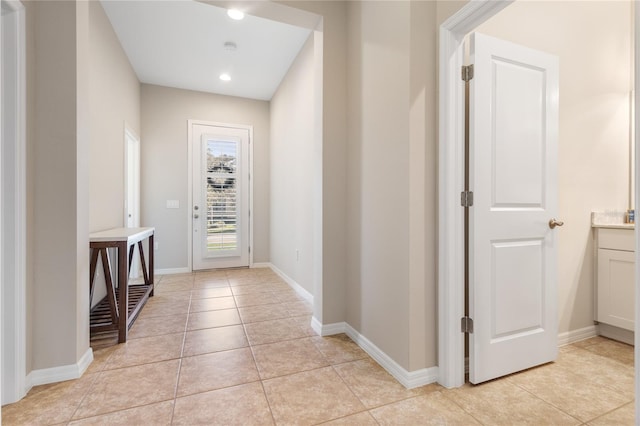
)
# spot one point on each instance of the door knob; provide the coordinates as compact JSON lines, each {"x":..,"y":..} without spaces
{"x":553,"y":223}
{"x":195,"y":216}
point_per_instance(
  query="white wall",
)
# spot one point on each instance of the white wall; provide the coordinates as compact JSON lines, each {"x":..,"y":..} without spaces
{"x":592,"y":40}
{"x":164,"y":115}
{"x":115,"y":100}
{"x":293,"y":145}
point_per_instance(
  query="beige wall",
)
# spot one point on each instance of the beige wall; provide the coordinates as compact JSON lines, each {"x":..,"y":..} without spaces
{"x":293,"y":146}
{"x":592,"y":40}
{"x":423,"y":205}
{"x":330,"y":294}
{"x":165,"y":112}
{"x":115,"y":100}
{"x":378,"y":182}
{"x":114,"y":90}
{"x":392,"y":181}
{"x":378,"y":265}
{"x":58,"y":187}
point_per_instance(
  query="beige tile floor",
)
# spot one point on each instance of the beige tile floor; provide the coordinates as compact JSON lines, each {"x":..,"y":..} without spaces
{"x":235,"y":347}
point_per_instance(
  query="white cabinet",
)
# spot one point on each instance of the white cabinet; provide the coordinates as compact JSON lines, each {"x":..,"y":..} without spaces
{"x":615,"y":292}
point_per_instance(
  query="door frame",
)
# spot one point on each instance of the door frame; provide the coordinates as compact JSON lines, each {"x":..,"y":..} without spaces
{"x":16,"y":312}
{"x":190,"y":124}
{"x":451,"y":366}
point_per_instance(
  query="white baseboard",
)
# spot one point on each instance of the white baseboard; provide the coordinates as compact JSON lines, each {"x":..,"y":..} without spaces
{"x":62,"y":373}
{"x":573,"y":336}
{"x":409,"y":379}
{"x":294,"y":285}
{"x":316,"y":326}
{"x":328,"y":329}
{"x":260,"y":265}
{"x":170,"y":271}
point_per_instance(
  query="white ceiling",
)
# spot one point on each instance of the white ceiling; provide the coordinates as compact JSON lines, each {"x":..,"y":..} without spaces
{"x":181,"y":44}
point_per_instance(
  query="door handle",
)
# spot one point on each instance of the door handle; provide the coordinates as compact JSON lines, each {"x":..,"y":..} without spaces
{"x":195,"y":216}
{"x":553,"y":223}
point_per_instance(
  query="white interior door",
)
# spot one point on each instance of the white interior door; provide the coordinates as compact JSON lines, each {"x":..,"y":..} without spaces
{"x":220,"y":210}
{"x":132,"y":210}
{"x":512,"y":166}
{"x":132,"y":191}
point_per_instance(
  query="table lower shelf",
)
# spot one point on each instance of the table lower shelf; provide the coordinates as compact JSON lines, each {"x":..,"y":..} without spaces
{"x":100,"y":319}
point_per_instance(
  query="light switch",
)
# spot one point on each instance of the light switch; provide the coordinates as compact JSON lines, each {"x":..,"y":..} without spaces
{"x":173,"y":204}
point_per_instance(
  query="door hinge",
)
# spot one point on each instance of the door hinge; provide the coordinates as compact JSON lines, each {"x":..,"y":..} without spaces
{"x":466,"y":325}
{"x":466,"y":198}
{"x":467,"y":72}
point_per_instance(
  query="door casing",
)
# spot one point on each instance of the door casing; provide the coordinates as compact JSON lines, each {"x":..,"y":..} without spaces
{"x":13,"y":302}
{"x":451,"y":173}
{"x":190,"y":124}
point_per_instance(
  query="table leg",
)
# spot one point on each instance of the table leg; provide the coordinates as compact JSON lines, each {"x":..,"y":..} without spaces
{"x":143,"y":263}
{"x":151,"y":275}
{"x":92,"y":273}
{"x":130,"y":258}
{"x":123,"y":283}
{"x":111,"y":293}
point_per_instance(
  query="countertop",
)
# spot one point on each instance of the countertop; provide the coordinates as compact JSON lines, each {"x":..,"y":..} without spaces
{"x":610,"y":219}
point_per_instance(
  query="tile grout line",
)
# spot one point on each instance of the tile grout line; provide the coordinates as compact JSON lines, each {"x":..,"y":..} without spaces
{"x":454,"y":401}
{"x":184,"y":338}
{"x":251,"y":348}
{"x":366,"y":409}
{"x":609,"y":412}
{"x":255,"y":363}
{"x":545,"y":401}
{"x":89,"y":388}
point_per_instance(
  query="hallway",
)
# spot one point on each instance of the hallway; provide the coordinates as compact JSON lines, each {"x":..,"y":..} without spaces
{"x":235,"y":347}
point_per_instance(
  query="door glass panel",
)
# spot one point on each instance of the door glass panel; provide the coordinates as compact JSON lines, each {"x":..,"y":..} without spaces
{"x":222,"y":197}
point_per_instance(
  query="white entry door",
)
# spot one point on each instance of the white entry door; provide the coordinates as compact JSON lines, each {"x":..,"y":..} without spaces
{"x":220,"y":210}
{"x":513,"y":176}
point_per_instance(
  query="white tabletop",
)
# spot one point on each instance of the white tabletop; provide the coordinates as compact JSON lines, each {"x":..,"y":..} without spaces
{"x":131,"y":235}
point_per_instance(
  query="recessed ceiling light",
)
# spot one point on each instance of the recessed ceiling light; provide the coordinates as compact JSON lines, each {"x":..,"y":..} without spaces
{"x":235,"y":14}
{"x":225,"y":77}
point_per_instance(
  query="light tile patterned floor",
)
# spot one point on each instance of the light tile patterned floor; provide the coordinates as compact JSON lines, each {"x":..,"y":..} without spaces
{"x":235,"y":347}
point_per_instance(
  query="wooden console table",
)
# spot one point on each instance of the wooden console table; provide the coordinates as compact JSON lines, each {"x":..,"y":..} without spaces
{"x":118,"y":309}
